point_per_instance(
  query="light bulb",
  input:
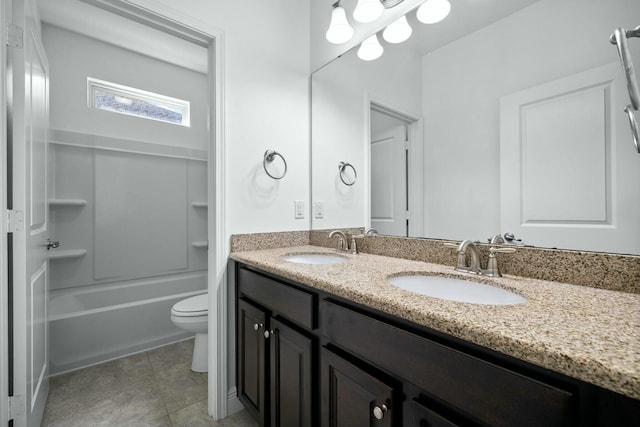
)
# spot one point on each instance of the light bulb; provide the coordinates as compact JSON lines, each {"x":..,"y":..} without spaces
{"x":397,"y":31}
{"x":433,"y":11}
{"x":339,"y":30}
{"x":370,"y":49}
{"x":368,"y":11}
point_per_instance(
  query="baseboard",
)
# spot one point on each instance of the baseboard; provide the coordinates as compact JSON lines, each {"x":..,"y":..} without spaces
{"x":233,"y":403}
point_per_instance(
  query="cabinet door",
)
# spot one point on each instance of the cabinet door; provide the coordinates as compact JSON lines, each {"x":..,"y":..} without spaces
{"x":351,"y":397}
{"x":251,"y":360}
{"x":425,"y":417}
{"x":291,"y":388}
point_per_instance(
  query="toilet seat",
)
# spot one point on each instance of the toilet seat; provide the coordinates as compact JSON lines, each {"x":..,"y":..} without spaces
{"x":192,"y":307}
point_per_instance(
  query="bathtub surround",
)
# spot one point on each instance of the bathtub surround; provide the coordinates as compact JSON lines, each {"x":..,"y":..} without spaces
{"x":155,"y":389}
{"x":597,"y":270}
{"x":128,"y":205}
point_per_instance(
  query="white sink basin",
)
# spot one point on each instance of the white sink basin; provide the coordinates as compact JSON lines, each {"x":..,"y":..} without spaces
{"x":456,"y":290}
{"x":314,"y":258}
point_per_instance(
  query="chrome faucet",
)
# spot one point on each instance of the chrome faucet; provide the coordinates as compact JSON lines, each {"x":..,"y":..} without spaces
{"x":342,"y":240}
{"x":474,"y":266}
{"x":462,"y":248}
{"x":346,"y":244}
{"x":496,"y":240}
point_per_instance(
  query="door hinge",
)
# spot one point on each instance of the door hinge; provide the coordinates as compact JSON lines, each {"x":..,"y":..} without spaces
{"x":15,"y":36}
{"x":406,"y":215}
{"x":14,"y":221}
{"x":16,"y":406}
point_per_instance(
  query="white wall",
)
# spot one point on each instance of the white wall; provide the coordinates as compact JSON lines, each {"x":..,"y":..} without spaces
{"x":340,"y":130}
{"x":267,"y":106}
{"x":462,"y":85}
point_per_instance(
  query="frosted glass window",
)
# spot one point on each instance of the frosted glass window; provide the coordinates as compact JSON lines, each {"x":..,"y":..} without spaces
{"x":136,"y":102}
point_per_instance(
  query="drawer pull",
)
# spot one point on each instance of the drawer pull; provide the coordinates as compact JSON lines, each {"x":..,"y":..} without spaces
{"x":379,"y":411}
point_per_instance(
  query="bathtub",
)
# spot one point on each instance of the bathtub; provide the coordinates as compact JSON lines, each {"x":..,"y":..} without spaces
{"x":104,"y":322}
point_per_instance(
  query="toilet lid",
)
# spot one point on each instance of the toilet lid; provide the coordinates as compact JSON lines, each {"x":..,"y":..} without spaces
{"x":193,"y":306}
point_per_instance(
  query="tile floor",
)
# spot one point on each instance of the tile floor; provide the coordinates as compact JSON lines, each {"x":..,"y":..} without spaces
{"x":152,"y":389}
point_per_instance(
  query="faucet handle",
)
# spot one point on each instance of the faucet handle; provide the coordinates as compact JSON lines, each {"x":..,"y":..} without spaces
{"x":353,"y":246}
{"x":451,"y":245}
{"x":493,"y":250}
{"x":492,"y":265}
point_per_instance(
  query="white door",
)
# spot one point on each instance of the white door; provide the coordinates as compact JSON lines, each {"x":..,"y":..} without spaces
{"x":569,"y":171}
{"x":389,"y":181}
{"x":29,"y":143}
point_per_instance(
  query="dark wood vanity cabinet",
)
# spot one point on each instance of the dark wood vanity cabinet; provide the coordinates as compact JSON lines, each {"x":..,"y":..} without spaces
{"x":291,"y":387}
{"x":328,"y":362}
{"x":275,"y":354}
{"x":352,"y":396}
{"x":251,"y":359}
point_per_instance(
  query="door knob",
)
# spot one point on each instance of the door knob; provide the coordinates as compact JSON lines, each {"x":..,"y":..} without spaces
{"x":257,"y":326}
{"x":52,"y":244}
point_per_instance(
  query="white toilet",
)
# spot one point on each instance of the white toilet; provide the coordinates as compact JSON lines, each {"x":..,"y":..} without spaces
{"x":192,"y":314}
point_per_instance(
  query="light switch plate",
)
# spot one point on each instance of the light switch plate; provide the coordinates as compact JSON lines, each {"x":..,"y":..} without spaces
{"x":299,"y":209}
{"x":318,"y":209}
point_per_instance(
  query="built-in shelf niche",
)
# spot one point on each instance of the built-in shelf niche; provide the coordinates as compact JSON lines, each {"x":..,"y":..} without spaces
{"x":200,"y":244}
{"x":67,"y":254}
{"x":200,"y":205}
{"x":67,"y":202}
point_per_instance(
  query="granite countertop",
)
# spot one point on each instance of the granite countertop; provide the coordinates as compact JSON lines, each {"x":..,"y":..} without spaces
{"x":586,"y":333}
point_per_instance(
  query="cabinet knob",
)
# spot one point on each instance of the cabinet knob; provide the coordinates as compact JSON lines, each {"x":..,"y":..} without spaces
{"x":257,"y":326}
{"x":267,"y":334}
{"x":379,"y":411}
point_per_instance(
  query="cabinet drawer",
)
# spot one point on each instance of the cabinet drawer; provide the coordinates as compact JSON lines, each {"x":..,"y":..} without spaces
{"x":485,"y":391}
{"x":294,"y":304}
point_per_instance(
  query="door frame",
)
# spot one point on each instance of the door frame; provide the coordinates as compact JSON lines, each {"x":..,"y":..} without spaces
{"x":415,"y":163}
{"x":151,"y":11}
{"x":5,"y":6}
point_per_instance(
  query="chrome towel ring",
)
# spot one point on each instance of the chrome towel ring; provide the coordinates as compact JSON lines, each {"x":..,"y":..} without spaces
{"x":341,"y":168}
{"x":270,"y":156}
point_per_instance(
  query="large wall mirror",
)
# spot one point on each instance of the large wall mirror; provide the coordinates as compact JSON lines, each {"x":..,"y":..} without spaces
{"x":504,"y":117}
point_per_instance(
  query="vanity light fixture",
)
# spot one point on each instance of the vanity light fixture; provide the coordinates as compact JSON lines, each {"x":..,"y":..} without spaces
{"x":370,"y":49}
{"x":433,"y":11}
{"x":398,"y":31}
{"x":368,"y":11}
{"x":339,"y":29}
